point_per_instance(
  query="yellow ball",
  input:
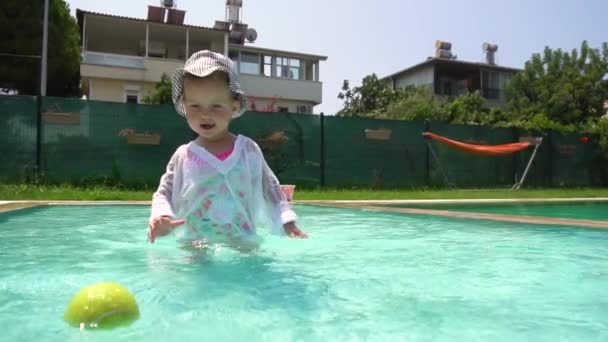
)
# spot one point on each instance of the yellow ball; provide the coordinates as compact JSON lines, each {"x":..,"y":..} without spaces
{"x":102,"y":305}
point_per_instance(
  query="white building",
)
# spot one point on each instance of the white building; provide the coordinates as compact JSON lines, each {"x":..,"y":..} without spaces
{"x":123,"y":58}
{"x":287,"y":81}
{"x":448,"y":76}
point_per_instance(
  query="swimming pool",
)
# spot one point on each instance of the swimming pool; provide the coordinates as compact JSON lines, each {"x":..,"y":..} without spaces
{"x":361,"y":276}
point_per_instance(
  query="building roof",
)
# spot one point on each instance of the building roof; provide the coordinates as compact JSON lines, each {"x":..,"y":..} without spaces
{"x":274,"y":51}
{"x":444,"y":61}
{"x":80,"y":13}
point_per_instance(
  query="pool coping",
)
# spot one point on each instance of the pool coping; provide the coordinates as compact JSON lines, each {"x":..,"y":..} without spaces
{"x":376,"y":205}
{"x":6,"y":206}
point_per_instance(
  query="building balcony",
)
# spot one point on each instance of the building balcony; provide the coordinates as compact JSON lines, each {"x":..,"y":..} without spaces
{"x":113,"y":60}
{"x":274,"y":87}
{"x":133,"y":49}
{"x":126,"y":67}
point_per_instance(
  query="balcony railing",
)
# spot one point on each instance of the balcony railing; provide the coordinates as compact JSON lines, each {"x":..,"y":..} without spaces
{"x":114,"y":60}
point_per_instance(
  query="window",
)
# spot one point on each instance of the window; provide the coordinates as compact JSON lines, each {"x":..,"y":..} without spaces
{"x":288,"y":68}
{"x":309,"y":70}
{"x":283,"y":109}
{"x":490,"y":85}
{"x":490,"y":79}
{"x":267,"y":66}
{"x":304,"y":109}
{"x":282,"y":69}
{"x":234,"y":57}
{"x":131,"y":96}
{"x":294,"y":69}
{"x":446,"y":87}
{"x":506,"y":78}
{"x":250,"y":63}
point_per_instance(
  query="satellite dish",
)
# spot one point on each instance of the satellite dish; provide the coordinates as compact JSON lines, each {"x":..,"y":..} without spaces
{"x":251,"y":35}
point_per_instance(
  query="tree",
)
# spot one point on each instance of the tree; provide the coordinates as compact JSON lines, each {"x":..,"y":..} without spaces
{"x":374,"y":99}
{"x":467,"y":109}
{"x":556,"y":90}
{"x":416,"y":103}
{"x":367,"y":100}
{"x":162,"y":92}
{"x":21,"y":27}
{"x":562,"y":88}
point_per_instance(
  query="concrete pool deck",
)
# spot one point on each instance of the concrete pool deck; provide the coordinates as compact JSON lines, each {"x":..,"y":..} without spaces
{"x":380,"y":205}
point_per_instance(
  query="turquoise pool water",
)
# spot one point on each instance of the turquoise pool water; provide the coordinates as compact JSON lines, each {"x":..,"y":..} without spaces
{"x":573,"y":210}
{"x":363,"y":276}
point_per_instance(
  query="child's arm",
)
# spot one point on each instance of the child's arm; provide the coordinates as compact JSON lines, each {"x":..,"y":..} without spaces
{"x":161,"y":200}
{"x":162,"y":217}
{"x":276,"y":196}
{"x":274,"y":193}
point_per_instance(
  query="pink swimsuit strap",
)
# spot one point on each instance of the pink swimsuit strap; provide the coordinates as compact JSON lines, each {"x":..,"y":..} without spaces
{"x":223,"y":155}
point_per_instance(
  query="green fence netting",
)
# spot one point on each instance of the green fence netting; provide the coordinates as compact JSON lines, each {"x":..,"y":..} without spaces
{"x":17,"y":137}
{"x":100,"y":142}
{"x":379,"y":153}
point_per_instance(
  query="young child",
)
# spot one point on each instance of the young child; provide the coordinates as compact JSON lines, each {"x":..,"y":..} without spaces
{"x":218,"y":186}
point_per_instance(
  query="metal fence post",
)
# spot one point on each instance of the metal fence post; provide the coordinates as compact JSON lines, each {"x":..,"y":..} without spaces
{"x":427,"y":156}
{"x":322,"y":157}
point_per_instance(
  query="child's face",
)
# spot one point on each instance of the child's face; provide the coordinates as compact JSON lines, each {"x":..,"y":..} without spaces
{"x":209,"y":106}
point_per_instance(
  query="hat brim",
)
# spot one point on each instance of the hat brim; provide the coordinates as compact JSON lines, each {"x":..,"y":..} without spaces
{"x":178,"y":88}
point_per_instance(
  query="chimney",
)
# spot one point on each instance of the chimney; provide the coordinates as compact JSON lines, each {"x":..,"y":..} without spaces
{"x":489,"y":51}
{"x":233,"y":10}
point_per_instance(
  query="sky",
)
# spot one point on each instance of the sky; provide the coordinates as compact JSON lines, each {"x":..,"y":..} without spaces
{"x":361,"y":37}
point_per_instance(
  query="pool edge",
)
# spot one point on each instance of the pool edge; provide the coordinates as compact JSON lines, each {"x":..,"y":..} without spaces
{"x":9,"y":206}
{"x":537,"y":220}
{"x":376,"y":205}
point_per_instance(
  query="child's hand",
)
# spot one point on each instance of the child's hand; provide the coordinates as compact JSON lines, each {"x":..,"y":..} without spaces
{"x":162,"y":226}
{"x":293,"y":231}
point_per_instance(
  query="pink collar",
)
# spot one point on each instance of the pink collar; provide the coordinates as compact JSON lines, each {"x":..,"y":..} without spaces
{"x":223,"y":155}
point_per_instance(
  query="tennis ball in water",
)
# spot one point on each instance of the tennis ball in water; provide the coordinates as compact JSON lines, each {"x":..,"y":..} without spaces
{"x":102,"y":305}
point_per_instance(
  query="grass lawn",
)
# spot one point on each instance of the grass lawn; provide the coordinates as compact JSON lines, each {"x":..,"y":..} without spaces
{"x":33,"y":192}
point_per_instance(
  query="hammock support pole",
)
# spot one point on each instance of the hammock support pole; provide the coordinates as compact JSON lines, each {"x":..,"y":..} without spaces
{"x":485,"y":150}
{"x":518,"y":184}
{"x":445,"y":176}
